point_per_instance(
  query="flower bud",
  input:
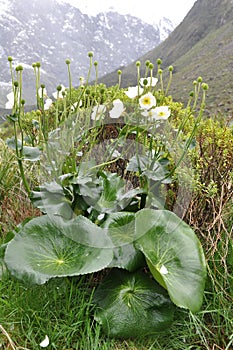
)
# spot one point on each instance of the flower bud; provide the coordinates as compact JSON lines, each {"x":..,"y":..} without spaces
{"x":19,"y":68}
{"x":191,"y":94}
{"x":59,"y":88}
{"x":199,"y":79}
{"x":42,"y":86}
{"x":90,"y":54}
{"x":95,"y":63}
{"x":38,"y":64}
{"x":138,"y":64}
{"x":194,"y":82}
{"x":205,"y":86}
{"x":160,"y":71}
{"x":119,"y":72}
{"x":10,"y":59}
{"x":151,"y":66}
{"x":145,"y":82}
{"x":170,"y":68}
{"x":147,"y":63}
{"x":23,"y":102}
{"x":16,"y":84}
{"x":67,"y":61}
{"x":159,"y":61}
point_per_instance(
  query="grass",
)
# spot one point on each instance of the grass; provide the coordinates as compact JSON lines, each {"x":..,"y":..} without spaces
{"x":62,"y":309}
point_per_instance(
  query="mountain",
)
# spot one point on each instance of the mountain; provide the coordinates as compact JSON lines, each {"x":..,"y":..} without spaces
{"x":51,"y":31}
{"x":201,"y":45}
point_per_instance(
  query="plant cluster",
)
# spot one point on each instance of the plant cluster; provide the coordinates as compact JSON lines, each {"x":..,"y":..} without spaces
{"x":106,"y":159}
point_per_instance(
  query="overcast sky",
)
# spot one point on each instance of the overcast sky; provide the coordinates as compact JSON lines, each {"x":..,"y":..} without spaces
{"x":148,"y":10}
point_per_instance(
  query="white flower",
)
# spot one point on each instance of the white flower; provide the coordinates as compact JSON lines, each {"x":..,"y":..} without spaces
{"x":151,"y":81}
{"x":10,"y":103}
{"x":118,"y":109}
{"x":133,"y":91}
{"x":98,"y":112}
{"x":58,"y":94}
{"x":158,"y":113}
{"x":162,"y":112}
{"x":45,"y":342}
{"x":163,"y":270}
{"x":40,"y":92}
{"x":147,"y":101}
{"x":48,"y":103}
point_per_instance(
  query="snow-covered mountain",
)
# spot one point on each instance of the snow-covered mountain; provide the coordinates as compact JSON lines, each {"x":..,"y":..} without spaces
{"x":51,"y":31}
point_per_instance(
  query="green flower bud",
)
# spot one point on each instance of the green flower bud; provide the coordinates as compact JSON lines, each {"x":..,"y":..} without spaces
{"x":138,"y":64}
{"x":88,"y":91}
{"x":160,"y":71}
{"x":22,"y":102}
{"x":63,"y":93}
{"x":102,"y":91}
{"x":145,"y":82}
{"x":191,"y":94}
{"x":16,"y":84}
{"x":38,"y":64}
{"x":95,"y":63}
{"x":194,"y":82}
{"x":205,"y":86}
{"x":10,"y":59}
{"x":159,"y":61}
{"x":151,"y":66}
{"x":19,"y":68}
{"x":90,"y":54}
{"x":147,"y":63}
{"x":34,"y":65}
{"x":42,"y":86}
{"x":67,"y":61}
{"x":119,"y":72}
{"x":199,"y":79}
{"x":59,"y":88}
{"x":170,"y":68}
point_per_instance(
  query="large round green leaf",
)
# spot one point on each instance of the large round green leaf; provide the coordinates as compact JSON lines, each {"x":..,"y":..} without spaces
{"x":132,"y":305}
{"x":174,"y":254}
{"x":41,"y":251}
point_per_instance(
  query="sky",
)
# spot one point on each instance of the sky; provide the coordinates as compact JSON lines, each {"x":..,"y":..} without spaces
{"x":148,"y":10}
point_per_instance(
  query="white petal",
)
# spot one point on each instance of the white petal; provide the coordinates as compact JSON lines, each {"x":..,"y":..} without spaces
{"x":45,"y":342}
{"x":47,"y":104}
{"x":118,"y":109}
{"x":151,"y":81}
{"x":163,"y":270}
{"x":133,"y":91}
{"x":98,"y":112}
{"x":9,"y":105}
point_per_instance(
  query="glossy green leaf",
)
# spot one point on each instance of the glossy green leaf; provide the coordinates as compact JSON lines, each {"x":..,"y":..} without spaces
{"x":132,"y":305}
{"x":40,"y":251}
{"x":121,"y":229}
{"x":174,"y":254}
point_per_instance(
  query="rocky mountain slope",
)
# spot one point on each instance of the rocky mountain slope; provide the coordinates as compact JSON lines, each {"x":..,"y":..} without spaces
{"x":202,"y":45}
{"x":51,"y":31}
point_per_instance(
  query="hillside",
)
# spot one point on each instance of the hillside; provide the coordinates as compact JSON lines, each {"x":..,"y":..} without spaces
{"x":202,"y":45}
